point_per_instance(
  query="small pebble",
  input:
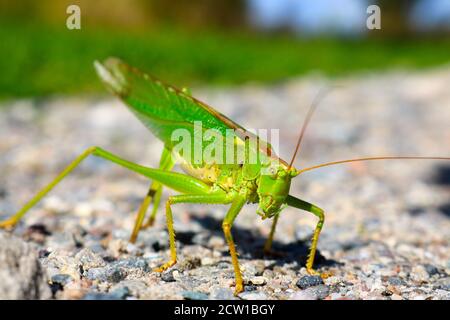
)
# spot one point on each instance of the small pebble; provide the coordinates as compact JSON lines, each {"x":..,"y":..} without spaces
{"x":386,"y":293}
{"x":249,"y":288}
{"x":222,"y":294}
{"x":258,"y":281}
{"x":321,"y":291}
{"x":88,"y":259}
{"x":207,"y":261}
{"x":309,"y":281}
{"x":443,"y":284}
{"x":432,"y":270}
{"x":133,"y":249}
{"x":223,"y":265}
{"x":112,"y":274}
{"x":189,"y":263}
{"x":419,"y":274}
{"x":396,"y":281}
{"x":61,"y":279}
{"x":121,"y":292}
{"x":252,"y":295}
{"x":216,"y":242}
{"x":194,"y":295}
{"x":99,"y":296}
{"x":168,"y":276}
{"x":303,"y":295}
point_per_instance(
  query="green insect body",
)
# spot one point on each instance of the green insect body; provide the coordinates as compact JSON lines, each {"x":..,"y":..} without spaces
{"x":164,"y":109}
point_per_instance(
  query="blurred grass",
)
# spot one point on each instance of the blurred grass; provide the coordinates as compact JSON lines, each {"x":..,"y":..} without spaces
{"x":45,"y":60}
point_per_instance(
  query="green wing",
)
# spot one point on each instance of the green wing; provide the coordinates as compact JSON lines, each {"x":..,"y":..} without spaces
{"x":163,"y":108}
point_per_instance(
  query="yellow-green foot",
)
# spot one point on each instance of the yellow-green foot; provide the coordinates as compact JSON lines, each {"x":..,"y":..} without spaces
{"x":8,"y":223}
{"x":238,"y":289}
{"x":165,"y":266}
{"x":323,"y":275}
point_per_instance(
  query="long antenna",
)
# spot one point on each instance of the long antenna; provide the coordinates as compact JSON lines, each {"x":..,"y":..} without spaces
{"x":369,"y":159}
{"x":308,"y":117}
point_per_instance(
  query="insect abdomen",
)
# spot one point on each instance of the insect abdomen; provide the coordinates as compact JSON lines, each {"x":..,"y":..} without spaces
{"x":208,"y":174}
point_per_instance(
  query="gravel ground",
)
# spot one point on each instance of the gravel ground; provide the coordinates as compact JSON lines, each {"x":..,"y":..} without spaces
{"x":386,"y":234}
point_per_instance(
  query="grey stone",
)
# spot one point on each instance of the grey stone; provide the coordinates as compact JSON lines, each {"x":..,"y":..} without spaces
{"x":96,"y":274}
{"x":303,"y":295}
{"x":61,"y":279}
{"x":432,"y":270}
{"x":88,"y":259}
{"x":222,"y":294}
{"x":132,"y":263}
{"x":111,"y":273}
{"x":120,"y":292}
{"x":115,"y":274}
{"x":136,"y":288}
{"x":21,"y":275}
{"x":258,"y":280}
{"x":443,"y":284}
{"x":312,"y":293}
{"x":396,"y":281}
{"x":194,"y":295}
{"x":321,"y":291}
{"x":99,"y":296}
{"x":309,"y":281}
{"x":253,"y":295}
{"x":167,"y":276}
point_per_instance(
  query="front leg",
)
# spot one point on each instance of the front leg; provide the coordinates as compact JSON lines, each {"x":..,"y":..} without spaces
{"x":303,"y":205}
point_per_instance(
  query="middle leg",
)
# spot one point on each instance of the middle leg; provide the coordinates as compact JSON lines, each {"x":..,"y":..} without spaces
{"x":213,"y":198}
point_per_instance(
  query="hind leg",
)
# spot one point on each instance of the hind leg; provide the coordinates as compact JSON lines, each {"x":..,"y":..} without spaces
{"x":177,"y":181}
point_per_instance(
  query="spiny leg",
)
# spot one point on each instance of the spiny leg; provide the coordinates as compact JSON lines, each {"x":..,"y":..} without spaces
{"x":154,"y":193}
{"x":156,"y":189}
{"x":177,"y":181}
{"x":303,"y":205}
{"x":167,"y":164}
{"x":227,"y":223}
{"x":172,"y":244}
{"x":213,"y":198}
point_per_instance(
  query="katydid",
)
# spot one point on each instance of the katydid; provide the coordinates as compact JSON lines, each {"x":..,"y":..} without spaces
{"x":164,"y":109}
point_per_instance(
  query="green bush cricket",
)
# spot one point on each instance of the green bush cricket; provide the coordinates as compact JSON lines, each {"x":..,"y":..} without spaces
{"x":164,"y":109}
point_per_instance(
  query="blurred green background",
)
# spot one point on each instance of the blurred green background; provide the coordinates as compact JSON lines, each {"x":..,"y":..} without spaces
{"x":210,"y":41}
